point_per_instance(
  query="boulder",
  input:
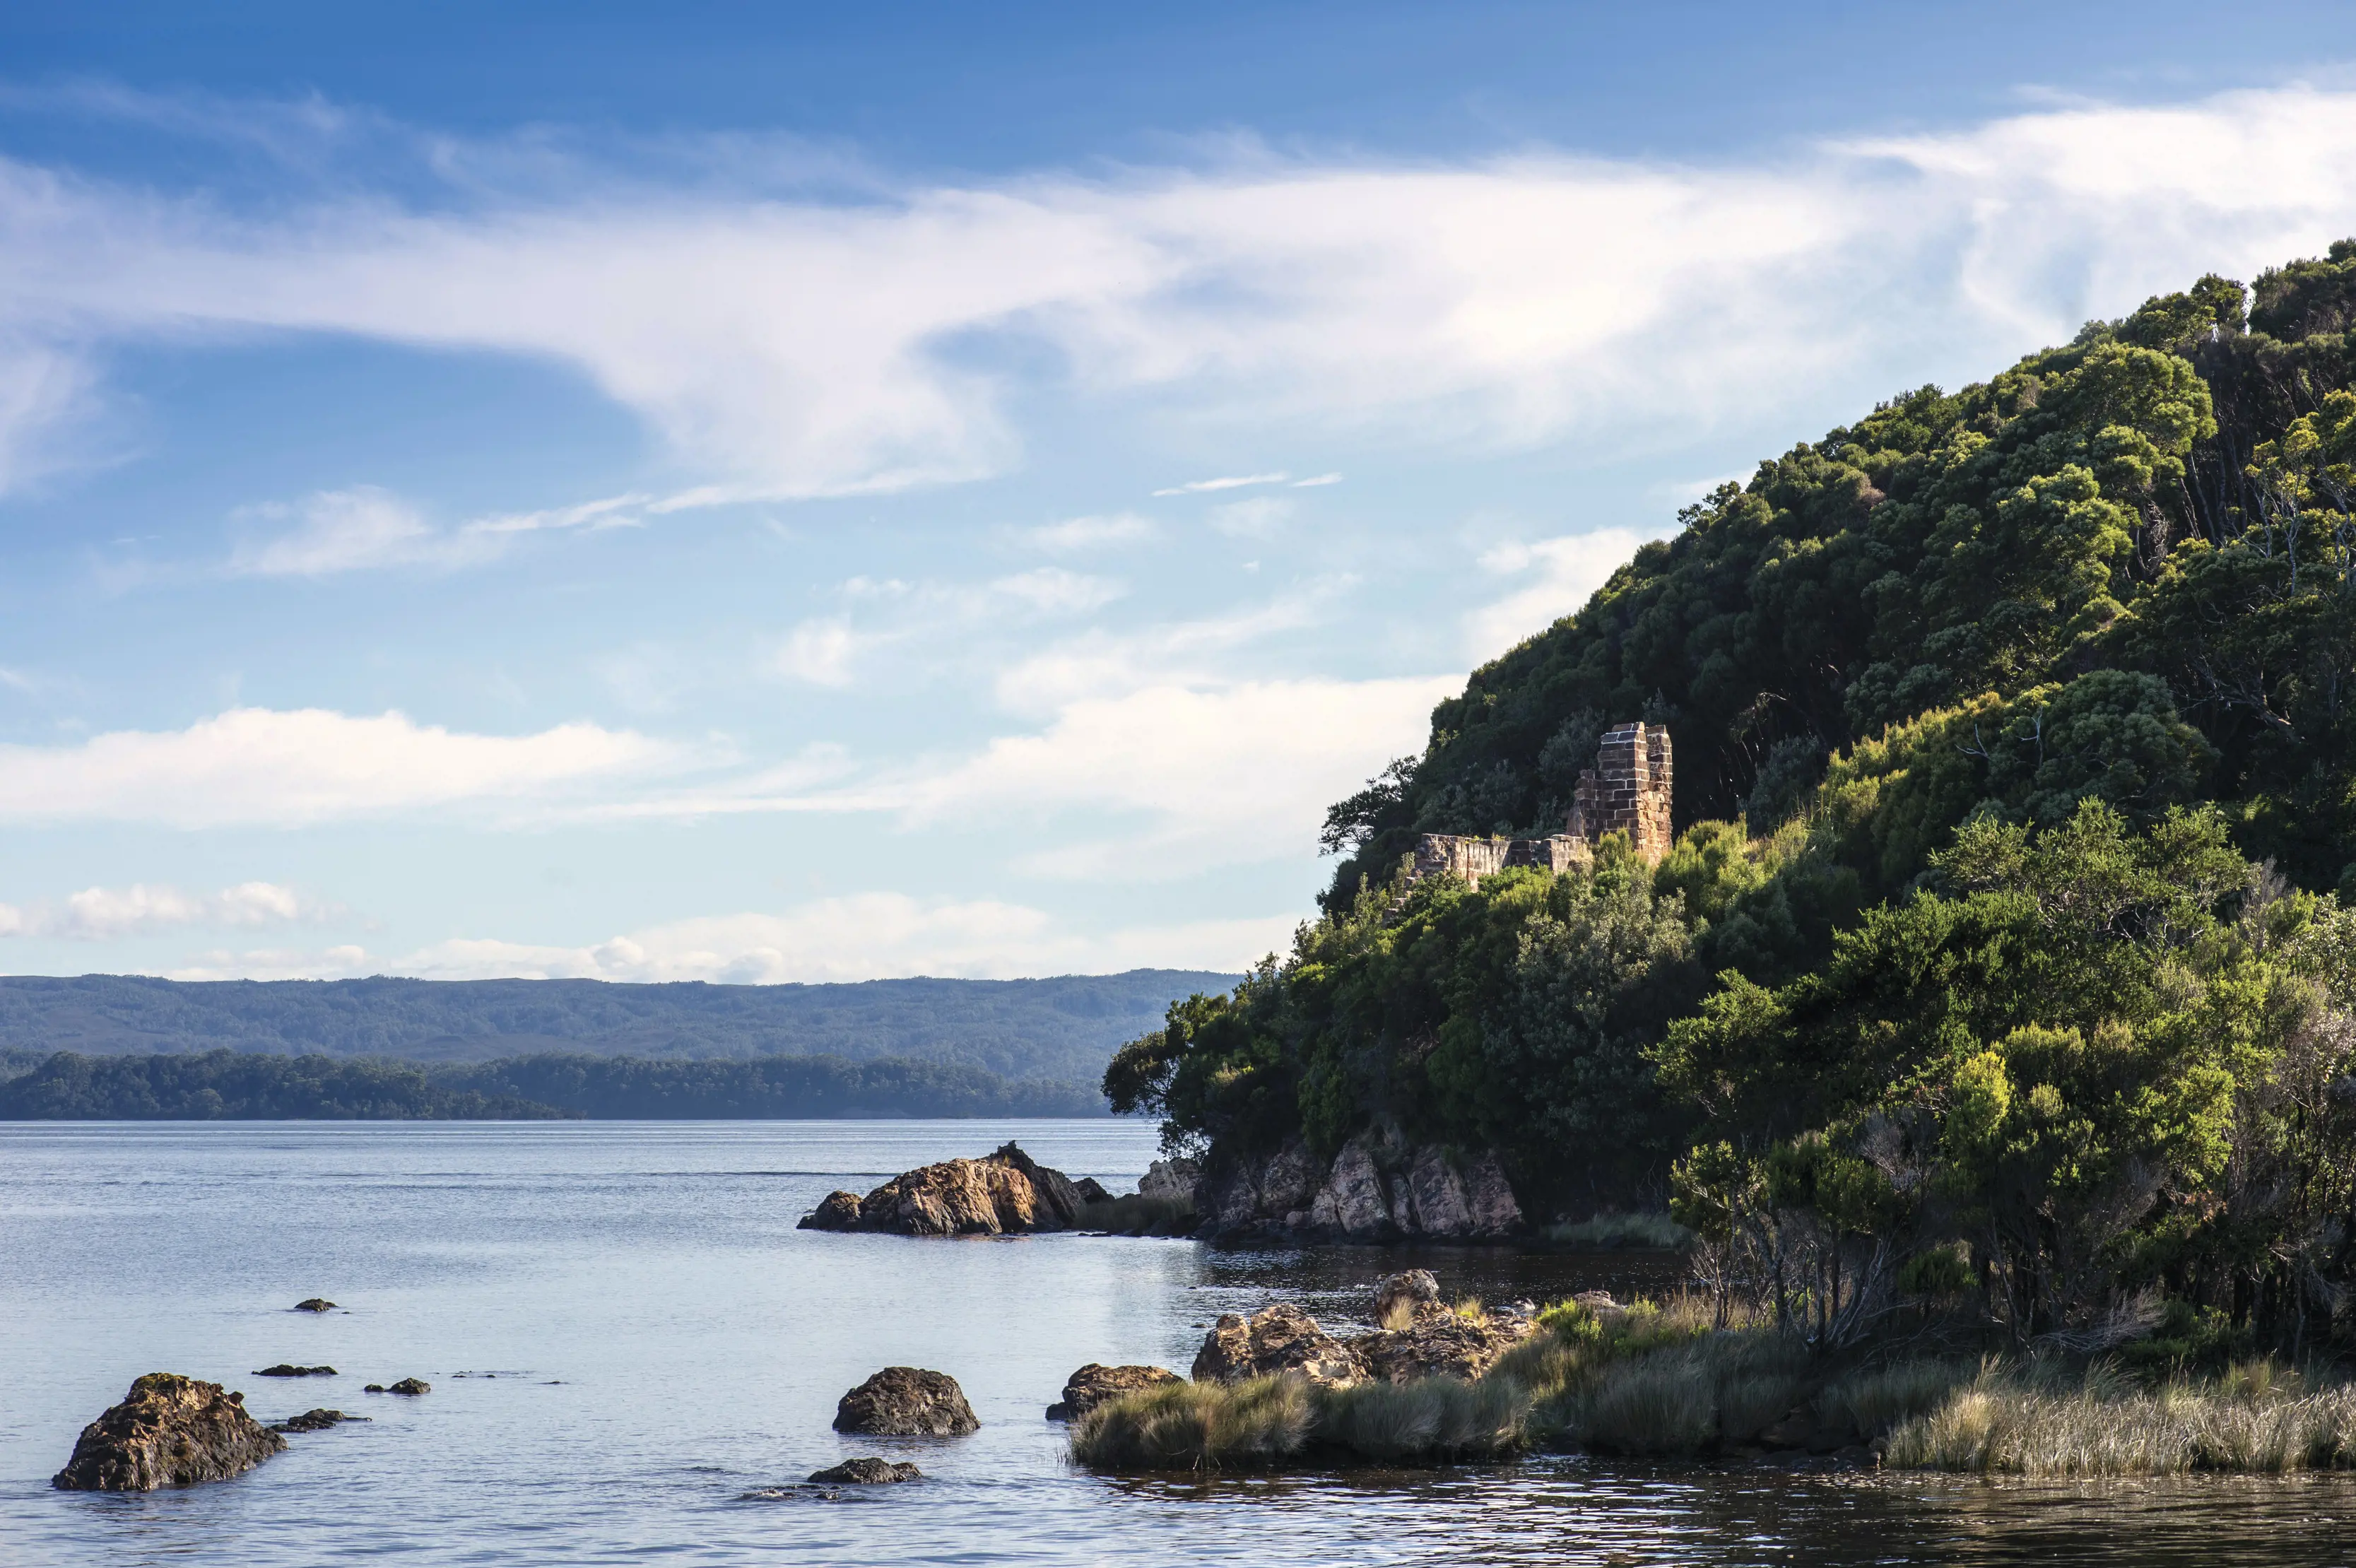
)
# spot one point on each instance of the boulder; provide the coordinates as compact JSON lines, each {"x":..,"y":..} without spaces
{"x":1091,"y":1190}
{"x":1599,"y":1302}
{"x":1490,"y":1198}
{"x":835,"y":1211}
{"x":288,"y":1369}
{"x":1405,"y":1292}
{"x":314,"y":1421}
{"x":1094,"y":1384}
{"x":1279,"y":1338}
{"x":1007,"y":1191}
{"x":1170,"y":1180}
{"x":1438,"y":1344}
{"x":169,"y":1431}
{"x":906,"y":1401}
{"x":410,"y":1386}
{"x":316,"y":1304}
{"x":866,"y":1473}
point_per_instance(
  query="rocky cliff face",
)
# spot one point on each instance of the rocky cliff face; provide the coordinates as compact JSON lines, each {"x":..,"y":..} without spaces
{"x":1378,"y":1188}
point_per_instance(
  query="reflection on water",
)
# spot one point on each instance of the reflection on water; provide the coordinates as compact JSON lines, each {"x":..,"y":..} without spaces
{"x":676,"y":1345}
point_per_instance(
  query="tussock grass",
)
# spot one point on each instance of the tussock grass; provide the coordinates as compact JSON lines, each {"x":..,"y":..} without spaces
{"x":1877,"y":1399}
{"x":1608,"y":1232}
{"x":1267,"y":1422}
{"x":1198,"y":1426}
{"x":2029,"y":1420}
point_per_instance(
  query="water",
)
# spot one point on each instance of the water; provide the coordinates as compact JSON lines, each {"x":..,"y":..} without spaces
{"x":625,"y":1335}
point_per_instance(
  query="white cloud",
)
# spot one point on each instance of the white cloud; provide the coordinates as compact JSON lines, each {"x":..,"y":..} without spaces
{"x":1314,"y":480}
{"x":1076,"y":534}
{"x":1233,"y":482}
{"x":265,"y":767}
{"x":100,"y":913}
{"x":1213,"y":776}
{"x":818,"y":652}
{"x":864,"y":937}
{"x":1569,"y":572}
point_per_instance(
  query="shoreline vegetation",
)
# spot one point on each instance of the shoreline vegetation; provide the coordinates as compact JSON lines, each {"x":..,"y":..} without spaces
{"x":223,"y":1085}
{"x":1666,"y":1380}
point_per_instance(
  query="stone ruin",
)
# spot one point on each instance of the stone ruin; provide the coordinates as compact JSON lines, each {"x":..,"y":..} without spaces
{"x":1627,"y":790}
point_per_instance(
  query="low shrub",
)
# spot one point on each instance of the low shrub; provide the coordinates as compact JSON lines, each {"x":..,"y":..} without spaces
{"x":1611,"y":1232}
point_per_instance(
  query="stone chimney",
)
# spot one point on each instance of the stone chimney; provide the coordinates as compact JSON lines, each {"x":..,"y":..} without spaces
{"x":1628,"y":789}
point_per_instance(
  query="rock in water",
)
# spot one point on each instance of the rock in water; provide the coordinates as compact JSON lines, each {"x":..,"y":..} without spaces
{"x":1091,"y":1190}
{"x":1279,"y":1338}
{"x":906,"y":1401}
{"x":410,"y":1386}
{"x":1170,"y":1179}
{"x":1008,"y":1192}
{"x":316,"y":1304}
{"x":287,"y":1370}
{"x":169,"y":1431}
{"x":867,"y":1473}
{"x":1409,"y":1291}
{"x":1093,"y":1384}
{"x":314,"y":1421}
{"x":835,"y":1211}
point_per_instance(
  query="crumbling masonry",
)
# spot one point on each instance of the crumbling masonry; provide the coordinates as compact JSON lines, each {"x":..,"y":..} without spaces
{"x":1627,"y":791}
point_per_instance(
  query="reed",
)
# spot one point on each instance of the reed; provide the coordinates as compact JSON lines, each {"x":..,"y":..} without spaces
{"x":2029,"y":1420}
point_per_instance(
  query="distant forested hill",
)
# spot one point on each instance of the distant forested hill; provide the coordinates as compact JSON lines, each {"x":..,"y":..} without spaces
{"x":225,"y":1085}
{"x":1064,"y":1029}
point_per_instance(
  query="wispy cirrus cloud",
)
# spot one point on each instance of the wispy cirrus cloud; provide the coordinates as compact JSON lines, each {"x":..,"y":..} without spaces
{"x":790,"y":346}
{"x":1557,"y":577}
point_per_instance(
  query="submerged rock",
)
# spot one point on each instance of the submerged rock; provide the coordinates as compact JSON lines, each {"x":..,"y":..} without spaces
{"x":867,"y":1473}
{"x":1094,"y":1384}
{"x":288,"y":1369}
{"x":1279,"y":1338}
{"x":169,"y":1431}
{"x":316,"y":1304}
{"x":410,"y":1386}
{"x":314,"y":1421}
{"x":906,"y":1401}
{"x":1006,"y":1192}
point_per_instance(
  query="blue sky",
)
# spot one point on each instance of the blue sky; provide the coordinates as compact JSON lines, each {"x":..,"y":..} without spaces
{"x":811,"y":493}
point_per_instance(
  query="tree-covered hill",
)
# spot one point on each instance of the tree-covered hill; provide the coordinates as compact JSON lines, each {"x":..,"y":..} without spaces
{"x":224,"y":1086}
{"x":2005,"y":960}
{"x":1062,"y":1028}
{"x":2125,"y":559}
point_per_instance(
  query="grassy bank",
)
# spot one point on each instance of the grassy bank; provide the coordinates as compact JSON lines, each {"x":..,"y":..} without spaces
{"x":1662,"y":1381}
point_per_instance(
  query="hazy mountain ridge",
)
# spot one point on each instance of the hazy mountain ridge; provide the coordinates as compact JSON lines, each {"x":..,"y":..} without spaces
{"x":1064,"y":1027}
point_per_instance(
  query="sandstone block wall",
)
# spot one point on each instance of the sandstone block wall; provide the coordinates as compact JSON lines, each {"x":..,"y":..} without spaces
{"x":1628,"y":790}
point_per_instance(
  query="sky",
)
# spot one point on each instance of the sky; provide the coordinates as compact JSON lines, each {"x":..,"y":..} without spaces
{"x":796,"y":493}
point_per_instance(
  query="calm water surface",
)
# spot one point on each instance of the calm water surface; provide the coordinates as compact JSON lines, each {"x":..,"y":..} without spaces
{"x":625,"y":1335}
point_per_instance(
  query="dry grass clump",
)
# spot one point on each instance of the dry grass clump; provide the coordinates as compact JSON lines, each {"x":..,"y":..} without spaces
{"x":1428,"y":1419}
{"x":1198,"y":1426}
{"x":2028,"y":1420}
{"x":1878,"y":1399}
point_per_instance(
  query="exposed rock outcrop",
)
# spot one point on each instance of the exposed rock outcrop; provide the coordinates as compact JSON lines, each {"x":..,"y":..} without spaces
{"x":906,"y":1401}
{"x":868,"y":1472}
{"x":169,"y":1431}
{"x":1279,"y":1338}
{"x":1172,"y":1180}
{"x":1439,"y":1343}
{"x":316,"y":1304}
{"x":314,"y":1421}
{"x":288,"y":1369}
{"x":1378,"y":1188}
{"x":1006,"y":1192}
{"x":1409,"y":1291}
{"x":1094,"y":1384}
